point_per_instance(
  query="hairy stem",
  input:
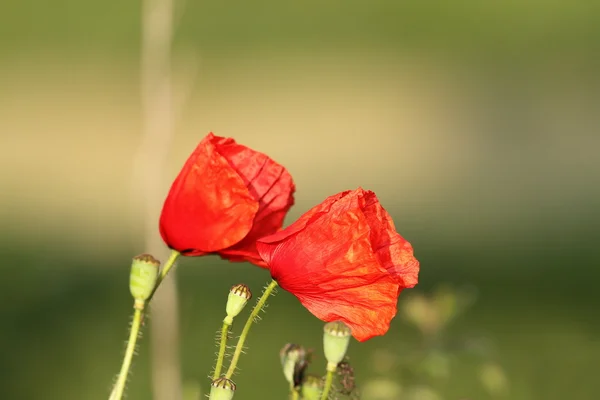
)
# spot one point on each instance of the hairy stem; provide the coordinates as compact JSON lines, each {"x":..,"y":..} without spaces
{"x":222,"y":347}
{"x":255,"y":311}
{"x":328,"y":382}
{"x":119,"y":388}
{"x":164,"y":271}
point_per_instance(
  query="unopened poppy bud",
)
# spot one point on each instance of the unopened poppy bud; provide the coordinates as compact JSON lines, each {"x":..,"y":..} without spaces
{"x":292,"y":358}
{"x":335,"y":343}
{"x":237,"y":300}
{"x":312,"y":387}
{"x":143,"y":276}
{"x":222,"y":389}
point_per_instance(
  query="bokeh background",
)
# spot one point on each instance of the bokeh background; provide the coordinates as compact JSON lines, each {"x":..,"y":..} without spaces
{"x":476,"y":123}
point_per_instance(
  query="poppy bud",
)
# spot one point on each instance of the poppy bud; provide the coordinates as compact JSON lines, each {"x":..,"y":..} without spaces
{"x":293,"y":362}
{"x":143,"y":276}
{"x":237,"y":300}
{"x":335,"y":343}
{"x":222,"y":389}
{"x":312,"y":387}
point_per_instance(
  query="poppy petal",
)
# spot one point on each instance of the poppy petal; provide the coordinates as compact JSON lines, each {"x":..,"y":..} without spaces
{"x":208,"y":207}
{"x":394,"y":252}
{"x":330,"y":266}
{"x":344,"y":261}
{"x":269,"y":183}
{"x":306,"y":218}
{"x":365,"y":322}
{"x":271,"y":214}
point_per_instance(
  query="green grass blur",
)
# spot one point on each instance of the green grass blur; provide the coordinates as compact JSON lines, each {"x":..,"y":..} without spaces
{"x":65,"y":319}
{"x":521,"y":227}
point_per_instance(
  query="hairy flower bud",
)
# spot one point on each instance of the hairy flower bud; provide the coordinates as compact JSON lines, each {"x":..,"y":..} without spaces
{"x":143,"y":276}
{"x":236,"y":301}
{"x":335,"y":343}
{"x":293,"y":362}
{"x":222,"y":389}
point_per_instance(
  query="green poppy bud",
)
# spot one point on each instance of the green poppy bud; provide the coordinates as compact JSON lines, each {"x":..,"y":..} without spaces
{"x":236,"y":301}
{"x":293,"y":362}
{"x":143,"y":276}
{"x":335,"y":343}
{"x":312,"y":387}
{"x":222,"y":389}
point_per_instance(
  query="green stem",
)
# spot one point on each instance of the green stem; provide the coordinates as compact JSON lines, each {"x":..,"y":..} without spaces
{"x":328,"y":383}
{"x":164,"y":271}
{"x":222,"y":347}
{"x":240,"y":344}
{"x":295,"y":394}
{"x":119,"y":388}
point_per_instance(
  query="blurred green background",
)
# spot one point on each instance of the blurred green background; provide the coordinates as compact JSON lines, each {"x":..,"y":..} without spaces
{"x":476,"y":123}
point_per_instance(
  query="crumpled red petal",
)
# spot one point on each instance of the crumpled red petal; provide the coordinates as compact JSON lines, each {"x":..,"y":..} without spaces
{"x":393,"y":251}
{"x":270,"y":184}
{"x":208,"y":207}
{"x":304,"y":219}
{"x":326,"y":259}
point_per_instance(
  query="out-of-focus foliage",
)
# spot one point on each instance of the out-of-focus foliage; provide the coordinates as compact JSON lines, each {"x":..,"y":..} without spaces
{"x":192,"y":390}
{"x":421,"y":368}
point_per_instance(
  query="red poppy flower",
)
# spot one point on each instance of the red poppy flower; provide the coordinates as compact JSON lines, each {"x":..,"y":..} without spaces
{"x":344,"y":261}
{"x":225,"y":198}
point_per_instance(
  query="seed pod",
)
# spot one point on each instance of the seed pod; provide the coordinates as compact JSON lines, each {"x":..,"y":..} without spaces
{"x":236,"y":301}
{"x":143,"y":276}
{"x":335,"y":343}
{"x":222,"y":389}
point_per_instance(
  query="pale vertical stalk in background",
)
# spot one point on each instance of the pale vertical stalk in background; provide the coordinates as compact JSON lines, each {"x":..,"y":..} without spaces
{"x":157,"y":105}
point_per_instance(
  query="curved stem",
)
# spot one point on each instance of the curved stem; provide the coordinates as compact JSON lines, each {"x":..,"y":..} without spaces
{"x":328,"y":383}
{"x":240,"y":344}
{"x":164,"y":271}
{"x":119,"y":388}
{"x":222,"y":347}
